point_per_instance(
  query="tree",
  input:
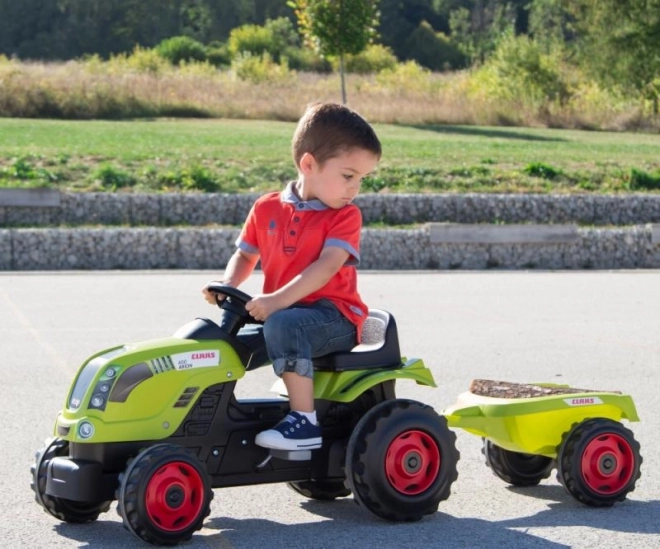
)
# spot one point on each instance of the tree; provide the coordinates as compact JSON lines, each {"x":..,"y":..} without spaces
{"x":337,"y":27}
{"x":619,"y":43}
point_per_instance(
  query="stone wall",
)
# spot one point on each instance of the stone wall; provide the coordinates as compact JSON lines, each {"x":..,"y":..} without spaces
{"x":55,"y":231}
{"x":382,"y":249}
{"x":188,"y":209}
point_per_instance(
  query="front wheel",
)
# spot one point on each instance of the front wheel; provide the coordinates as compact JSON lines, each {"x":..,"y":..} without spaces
{"x":599,"y":462}
{"x":401,"y":460}
{"x":63,"y":509}
{"x":516,"y":468}
{"x":164,"y":495}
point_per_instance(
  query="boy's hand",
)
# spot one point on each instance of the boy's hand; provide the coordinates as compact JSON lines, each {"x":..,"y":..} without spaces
{"x":262,"y":306}
{"x":212,"y":297}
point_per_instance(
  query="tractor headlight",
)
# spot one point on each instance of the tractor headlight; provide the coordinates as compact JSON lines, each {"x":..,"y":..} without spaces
{"x":85,"y":430}
{"x":97,"y":401}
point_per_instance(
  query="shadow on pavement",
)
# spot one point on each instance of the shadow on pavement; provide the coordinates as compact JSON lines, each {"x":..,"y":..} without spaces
{"x":343,"y":524}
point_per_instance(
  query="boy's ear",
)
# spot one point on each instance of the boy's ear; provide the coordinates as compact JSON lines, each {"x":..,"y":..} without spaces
{"x":307,"y":163}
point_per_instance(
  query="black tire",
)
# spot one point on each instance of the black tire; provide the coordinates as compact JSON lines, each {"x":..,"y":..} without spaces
{"x":599,"y":462}
{"x":516,"y":468}
{"x":164,"y":495}
{"x":63,"y":509}
{"x":401,"y":460}
{"x":325,"y":490}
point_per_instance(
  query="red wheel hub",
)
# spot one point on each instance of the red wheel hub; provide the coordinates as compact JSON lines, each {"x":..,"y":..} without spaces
{"x":174,"y":496}
{"x":412,"y":462}
{"x":607,"y":464}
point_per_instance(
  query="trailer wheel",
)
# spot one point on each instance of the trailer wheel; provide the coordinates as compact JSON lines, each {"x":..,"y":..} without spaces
{"x":516,"y":468}
{"x":401,"y":460}
{"x":599,"y":462}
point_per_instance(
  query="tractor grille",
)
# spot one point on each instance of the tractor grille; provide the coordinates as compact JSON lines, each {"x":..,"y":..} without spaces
{"x":161,"y":364}
{"x":186,"y":397}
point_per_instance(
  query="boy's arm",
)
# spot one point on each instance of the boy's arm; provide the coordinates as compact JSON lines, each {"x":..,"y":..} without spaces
{"x":240,"y":267}
{"x":315,"y":276}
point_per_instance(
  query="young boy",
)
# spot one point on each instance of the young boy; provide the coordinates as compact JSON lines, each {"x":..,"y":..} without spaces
{"x":308,"y":240}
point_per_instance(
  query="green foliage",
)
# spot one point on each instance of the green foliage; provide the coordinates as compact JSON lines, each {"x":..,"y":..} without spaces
{"x":406,"y":76}
{"x":218,"y":55}
{"x":373,"y":59}
{"x":259,"y":69}
{"x":337,"y":27}
{"x":195,"y":178}
{"x":519,"y":71}
{"x":308,"y":60}
{"x":640,"y":180}
{"x":626,"y":55}
{"x":251,"y":39}
{"x":112,"y":178}
{"x":276,"y":38}
{"x":478,"y":32}
{"x":181,"y":49}
{"x":140,"y":60}
{"x":542,"y":170}
{"x":433,"y":49}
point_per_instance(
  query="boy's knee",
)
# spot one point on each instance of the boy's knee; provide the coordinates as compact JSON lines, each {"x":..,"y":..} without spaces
{"x":277,"y":327}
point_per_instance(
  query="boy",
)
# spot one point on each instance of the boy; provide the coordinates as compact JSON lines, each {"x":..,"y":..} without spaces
{"x":308,"y":239}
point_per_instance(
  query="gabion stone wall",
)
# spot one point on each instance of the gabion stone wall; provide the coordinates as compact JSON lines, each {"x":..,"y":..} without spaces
{"x":382,"y":249}
{"x":188,"y":209}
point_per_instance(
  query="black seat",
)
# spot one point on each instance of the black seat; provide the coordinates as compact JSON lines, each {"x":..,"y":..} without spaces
{"x":379,"y":347}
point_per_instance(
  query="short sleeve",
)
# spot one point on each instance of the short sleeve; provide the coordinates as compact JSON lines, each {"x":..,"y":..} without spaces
{"x":345,"y":232}
{"x":248,"y":240}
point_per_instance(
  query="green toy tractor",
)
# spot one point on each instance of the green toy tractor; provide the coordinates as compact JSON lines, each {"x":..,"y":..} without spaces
{"x":156,"y":426}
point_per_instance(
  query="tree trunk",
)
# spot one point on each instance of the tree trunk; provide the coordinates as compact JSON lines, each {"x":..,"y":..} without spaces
{"x":343,"y":79}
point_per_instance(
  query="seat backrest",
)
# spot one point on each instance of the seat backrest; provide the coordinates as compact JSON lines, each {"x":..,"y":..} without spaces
{"x":373,"y":331}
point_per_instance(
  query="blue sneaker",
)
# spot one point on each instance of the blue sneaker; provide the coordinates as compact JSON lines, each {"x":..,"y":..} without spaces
{"x":294,"y":432}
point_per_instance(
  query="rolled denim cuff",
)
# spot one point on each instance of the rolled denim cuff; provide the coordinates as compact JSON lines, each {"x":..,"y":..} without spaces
{"x":301,"y":366}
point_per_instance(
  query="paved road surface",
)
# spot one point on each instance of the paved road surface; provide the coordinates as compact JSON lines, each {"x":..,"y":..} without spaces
{"x":588,"y":329}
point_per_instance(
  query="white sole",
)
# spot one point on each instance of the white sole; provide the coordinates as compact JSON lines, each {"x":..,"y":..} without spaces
{"x":275,"y":441}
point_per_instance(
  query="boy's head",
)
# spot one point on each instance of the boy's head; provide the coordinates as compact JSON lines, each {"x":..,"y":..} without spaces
{"x":327,"y":130}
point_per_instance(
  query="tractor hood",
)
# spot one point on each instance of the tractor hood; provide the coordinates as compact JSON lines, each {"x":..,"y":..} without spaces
{"x":142,"y":391}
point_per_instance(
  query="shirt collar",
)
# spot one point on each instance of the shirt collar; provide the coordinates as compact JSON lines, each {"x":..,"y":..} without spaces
{"x":289,"y":197}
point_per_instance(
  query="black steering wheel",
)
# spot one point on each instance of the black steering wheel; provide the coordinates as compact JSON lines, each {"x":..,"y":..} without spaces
{"x":234,"y":315}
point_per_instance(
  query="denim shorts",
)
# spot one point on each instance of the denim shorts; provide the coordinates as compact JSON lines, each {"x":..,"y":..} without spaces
{"x":296,"y":335}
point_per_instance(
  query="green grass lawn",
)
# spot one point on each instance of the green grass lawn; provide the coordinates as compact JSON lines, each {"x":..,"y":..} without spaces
{"x":249,"y":155}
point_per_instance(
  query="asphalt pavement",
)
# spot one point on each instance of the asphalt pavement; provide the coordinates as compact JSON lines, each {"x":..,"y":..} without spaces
{"x":587,"y":329}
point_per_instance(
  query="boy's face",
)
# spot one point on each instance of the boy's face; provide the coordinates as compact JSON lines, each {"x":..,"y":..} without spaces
{"x":337,"y":182}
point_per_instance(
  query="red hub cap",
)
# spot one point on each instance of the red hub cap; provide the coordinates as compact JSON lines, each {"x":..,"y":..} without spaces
{"x":412,"y":462}
{"x":174,"y":496}
{"x":607,"y":464}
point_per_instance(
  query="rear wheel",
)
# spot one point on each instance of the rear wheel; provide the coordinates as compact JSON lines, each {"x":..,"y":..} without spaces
{"x":164,"y":495}
{"x":599,"y":462}
{"x":516,"y":468}
{"x":62,"y":509}
{"x":401,"y":460}
{"x":326,"y":490}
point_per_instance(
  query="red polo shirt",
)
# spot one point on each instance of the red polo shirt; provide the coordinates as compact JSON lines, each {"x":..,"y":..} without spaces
{"x":289,"y":234}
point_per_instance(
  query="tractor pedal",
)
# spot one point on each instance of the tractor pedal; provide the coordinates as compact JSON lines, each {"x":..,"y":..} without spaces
{"x":292,"y":455}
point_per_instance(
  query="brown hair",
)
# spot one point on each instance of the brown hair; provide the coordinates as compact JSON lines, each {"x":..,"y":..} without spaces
{"x":327,"y":130}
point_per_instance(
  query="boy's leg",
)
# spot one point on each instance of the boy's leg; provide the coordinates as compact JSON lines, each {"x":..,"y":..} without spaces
{"x":300,"y":390}
{"x":293,"y":337}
